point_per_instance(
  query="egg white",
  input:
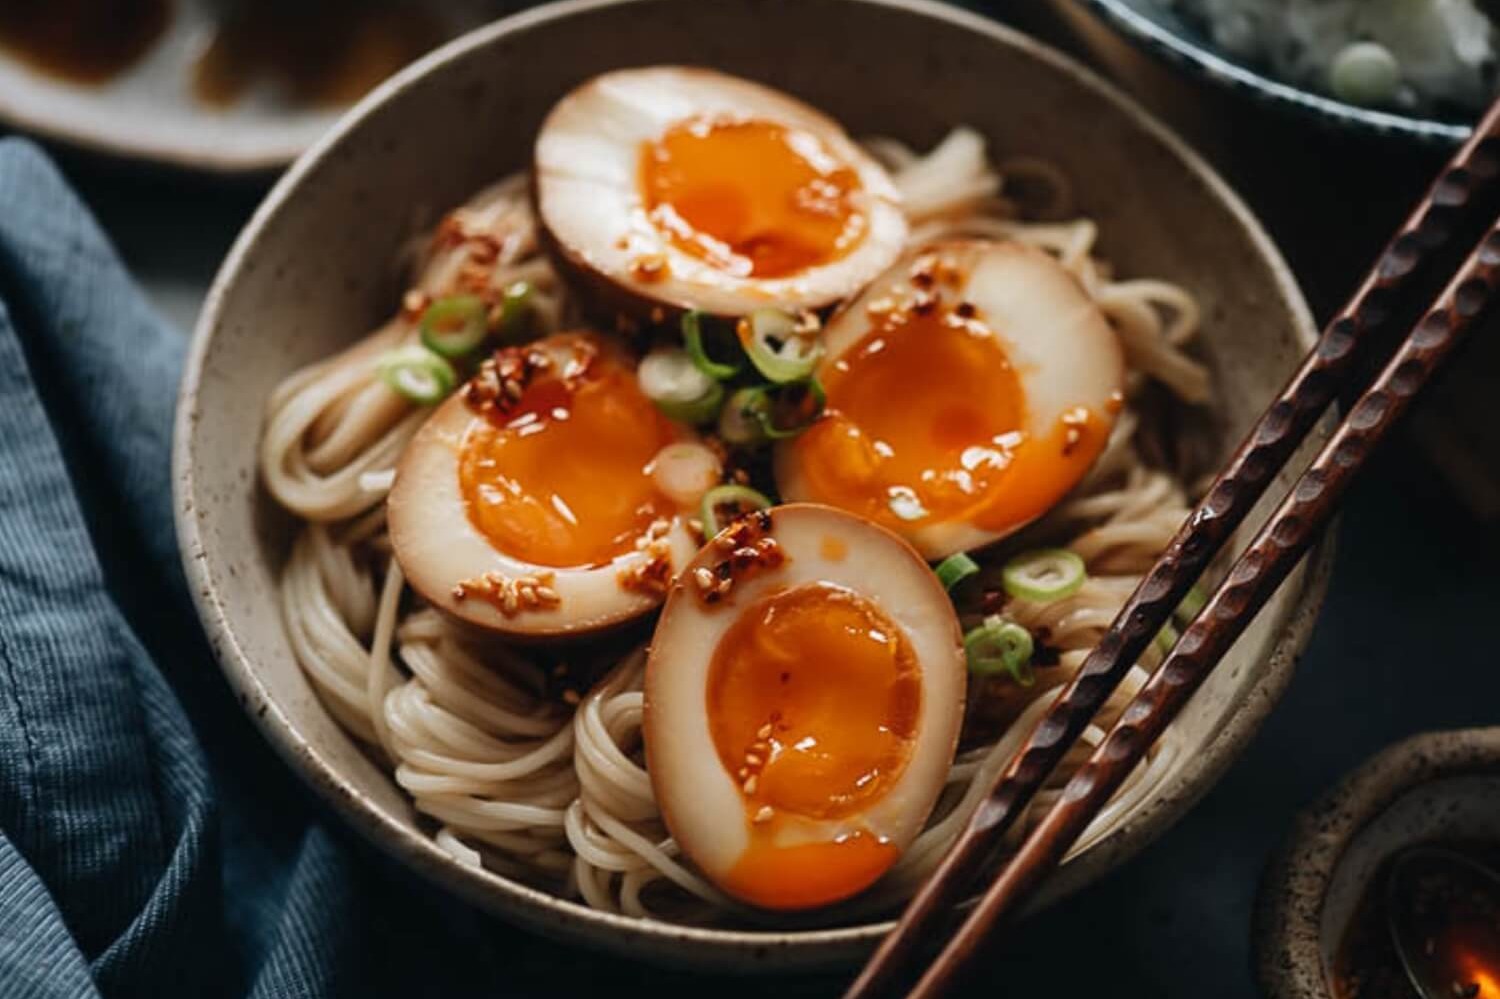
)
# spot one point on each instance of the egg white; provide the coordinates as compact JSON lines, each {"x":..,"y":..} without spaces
{"x":438,"y":546}
{"x":1056,"y":338}
{"x":700,"y":800}
{"x":589,"y":203}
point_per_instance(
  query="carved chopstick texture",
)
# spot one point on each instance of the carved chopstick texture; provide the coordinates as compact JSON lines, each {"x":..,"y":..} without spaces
{"x":1254,"y":577}
{"x":1472,"y":176}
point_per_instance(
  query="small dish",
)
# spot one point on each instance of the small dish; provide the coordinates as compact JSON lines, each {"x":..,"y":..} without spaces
{"x":1440,"y":787}
{"x":1165,"y":36}
{"x":312,"y":272}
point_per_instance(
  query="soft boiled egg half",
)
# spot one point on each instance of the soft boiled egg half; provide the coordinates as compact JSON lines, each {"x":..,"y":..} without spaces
{"x":804,"y":694}
{"x":668,"y":188}
{"x":527,"y":502}
{"x":969,"y":389}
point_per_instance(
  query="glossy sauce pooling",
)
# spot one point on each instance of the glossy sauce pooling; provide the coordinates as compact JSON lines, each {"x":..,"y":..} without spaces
{"x":813,"y":702}
{"x":1457,"y":920}
{"x":926,"y":422}
{"x":88,"y":41}
{"x":753,"y":198}
{"x":559,"y":479}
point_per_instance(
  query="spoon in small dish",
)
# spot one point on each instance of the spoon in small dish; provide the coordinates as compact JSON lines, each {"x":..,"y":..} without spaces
{"x":1443,"y":910}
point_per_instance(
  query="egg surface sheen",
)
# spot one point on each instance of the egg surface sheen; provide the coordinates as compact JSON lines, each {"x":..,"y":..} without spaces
{"x":686,"y":188}
{"x":969,"y":389}
{"x":537,"y":514}
{"x":800,"y":726}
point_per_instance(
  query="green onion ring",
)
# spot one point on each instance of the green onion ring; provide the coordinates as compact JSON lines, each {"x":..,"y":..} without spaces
{"x":692,"y":338}
{"x":1000,"y":646}
{"x":742,"y":498}
{"x":454,"y":326}
{"x":807,"y":399}
{"x":694,"y":412}
{"x":795,"y":353}
{"x":416,"y":374}
{"x":669,"y":378}
{"x":517,"y":312}
{"x":1192,"y":605}
{"x":955,"y":569}
{"x":737,"y":422}
{"x":1044,"y":574}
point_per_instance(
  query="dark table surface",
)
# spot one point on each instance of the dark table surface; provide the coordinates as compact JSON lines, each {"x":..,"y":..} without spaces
{"x":1399,"y":649}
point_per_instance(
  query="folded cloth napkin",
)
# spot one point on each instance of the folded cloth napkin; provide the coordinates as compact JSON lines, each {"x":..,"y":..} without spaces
{"x":150,"y":844}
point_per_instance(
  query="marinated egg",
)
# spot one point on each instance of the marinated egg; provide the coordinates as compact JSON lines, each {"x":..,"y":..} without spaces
{"x":804,"y":694}
{"x":526,"y":503}
{"x":968,"y":390}
{"x":675,"y":188}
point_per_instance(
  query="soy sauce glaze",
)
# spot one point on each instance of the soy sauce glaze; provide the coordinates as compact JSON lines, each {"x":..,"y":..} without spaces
{"x":1457,"y":922}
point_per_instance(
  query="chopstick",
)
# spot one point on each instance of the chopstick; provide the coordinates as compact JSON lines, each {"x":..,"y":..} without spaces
{"x":1350,"y":342}
{"x":1254,"y":577}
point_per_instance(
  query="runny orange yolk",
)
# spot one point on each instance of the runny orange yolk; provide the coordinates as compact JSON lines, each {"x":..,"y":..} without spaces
{"x":813,"y":702}
{"x":560,"y":479}
{"x":753,"y":198}
{"x":926,"y":422}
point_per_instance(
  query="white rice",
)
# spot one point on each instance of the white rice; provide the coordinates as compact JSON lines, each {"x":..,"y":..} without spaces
{"x":1444,"y":48}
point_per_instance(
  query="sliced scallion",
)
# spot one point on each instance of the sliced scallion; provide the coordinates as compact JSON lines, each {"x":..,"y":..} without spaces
{"x":516,"y":312}
{"x":737,"y":421}
{"x":417,"y":374}
{"x":955,"y":569}
{"x":1166,"y":639}
{"x":692,"y":338}
{"x":723,"y":504}
{"x":1192,"y":605}
{"x":781,"y":349}
{"x":1044,"y":574}
{"x":670,"y":379}
{"x":454,"y":326}
{"x":787,"y":410}
{"x":1000,"y":646}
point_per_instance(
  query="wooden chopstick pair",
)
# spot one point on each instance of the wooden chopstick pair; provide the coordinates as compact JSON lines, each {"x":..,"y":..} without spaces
{"x":1346,"y":347}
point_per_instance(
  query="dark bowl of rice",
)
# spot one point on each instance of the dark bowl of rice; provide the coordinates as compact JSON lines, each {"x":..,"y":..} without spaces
{"x":1419,"y":70}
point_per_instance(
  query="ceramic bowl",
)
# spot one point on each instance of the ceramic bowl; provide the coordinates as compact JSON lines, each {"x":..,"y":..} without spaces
{"x":1167,"y":36}
{"x":1437,"y":787}
{"x":313,"y":271}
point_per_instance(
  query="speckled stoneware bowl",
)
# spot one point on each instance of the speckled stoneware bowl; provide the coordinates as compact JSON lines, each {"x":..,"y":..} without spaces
{"x":1433,"y":787}
{"x":1159,"y":31}
{"x":313,"y":271}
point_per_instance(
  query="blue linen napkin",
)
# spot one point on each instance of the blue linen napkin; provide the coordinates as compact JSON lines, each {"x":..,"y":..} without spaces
{"x":150,"y":844}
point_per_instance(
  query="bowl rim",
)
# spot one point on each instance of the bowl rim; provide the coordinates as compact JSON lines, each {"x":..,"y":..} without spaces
{"x":1171,"y":46}
{"x":1288,"y":939}
{"x":541,"y":911}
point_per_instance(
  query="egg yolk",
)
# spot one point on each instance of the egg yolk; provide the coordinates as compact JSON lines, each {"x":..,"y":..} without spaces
{"x":926,"y":423}
{"x":813,"y":701}
{"x":560,"y":480}
{"x":753,"y":198}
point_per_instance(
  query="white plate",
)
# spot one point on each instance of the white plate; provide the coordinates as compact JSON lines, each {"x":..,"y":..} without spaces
{"x":150,"y":112}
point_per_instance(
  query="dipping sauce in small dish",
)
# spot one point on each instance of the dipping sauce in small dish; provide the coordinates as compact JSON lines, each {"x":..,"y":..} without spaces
{"x":1449,"y":921}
